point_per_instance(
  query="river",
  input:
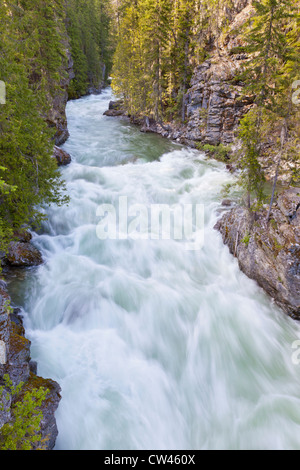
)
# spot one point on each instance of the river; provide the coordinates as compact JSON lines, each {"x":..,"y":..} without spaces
{"x":155,"y":345}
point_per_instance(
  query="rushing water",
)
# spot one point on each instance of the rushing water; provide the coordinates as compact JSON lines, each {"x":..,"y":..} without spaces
{"x":154,"y":346}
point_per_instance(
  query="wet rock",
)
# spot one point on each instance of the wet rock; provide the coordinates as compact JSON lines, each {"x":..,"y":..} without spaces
{"x":116,"y":108}
{"x":62,"y":133}
{"x":149,"y":126}
{"x":33,"y":367}
{"x":116,"y":104}
{"x":62,"y":157}
{"x":268,"y":253}
{"x":22,"y":254}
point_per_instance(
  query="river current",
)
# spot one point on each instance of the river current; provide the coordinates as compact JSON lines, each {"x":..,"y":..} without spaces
{"x":155,"y":345}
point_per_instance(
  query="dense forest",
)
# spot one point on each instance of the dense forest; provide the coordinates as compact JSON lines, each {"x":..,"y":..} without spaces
{"x":35,"y":37}
{"x":89,"y":26}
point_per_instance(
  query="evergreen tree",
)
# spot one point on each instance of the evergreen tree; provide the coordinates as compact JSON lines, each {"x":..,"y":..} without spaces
{"x":272,"y":42}
{"x":29,"y":174}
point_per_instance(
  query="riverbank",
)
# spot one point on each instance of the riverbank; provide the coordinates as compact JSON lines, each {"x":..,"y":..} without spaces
{"x":267,"y":253}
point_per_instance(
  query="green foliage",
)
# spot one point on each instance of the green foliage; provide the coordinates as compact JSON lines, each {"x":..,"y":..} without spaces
{"x":40,"y":25}
{"x":227,"y":188}
{"x":24,"y":431}
{"x":7,"y":308}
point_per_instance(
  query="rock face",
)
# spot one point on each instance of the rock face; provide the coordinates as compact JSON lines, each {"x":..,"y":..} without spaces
{"x":215,"y":103}
{"x":15,"y":361}
{"x":269,"y":253}
{"x":21,"y":253}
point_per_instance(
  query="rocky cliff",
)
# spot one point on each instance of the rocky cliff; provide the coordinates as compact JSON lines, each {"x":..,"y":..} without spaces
{"x":215,"y":99}
{"x":269,"y":253}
